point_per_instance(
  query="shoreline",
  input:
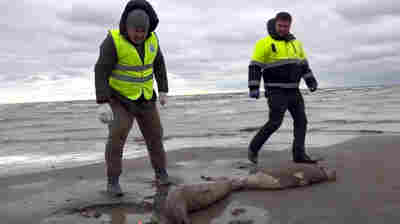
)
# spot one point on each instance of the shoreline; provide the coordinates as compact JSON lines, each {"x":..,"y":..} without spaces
{"x":367,"y":188}
{"x":67,"y":161}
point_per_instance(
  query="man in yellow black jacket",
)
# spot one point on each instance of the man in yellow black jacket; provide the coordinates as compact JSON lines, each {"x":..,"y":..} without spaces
{"x":280,"y":59}
{"x":130,"y":58}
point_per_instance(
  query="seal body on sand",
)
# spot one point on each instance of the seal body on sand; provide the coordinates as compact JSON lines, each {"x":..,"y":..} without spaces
{"x":292,"y":175}
{"x":187,"y":198}
{"x":288,"y":176}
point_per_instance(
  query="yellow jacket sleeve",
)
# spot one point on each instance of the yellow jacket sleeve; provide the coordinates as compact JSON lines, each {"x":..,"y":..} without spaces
{"x":260,"y":52}
{"x":302,"y":52}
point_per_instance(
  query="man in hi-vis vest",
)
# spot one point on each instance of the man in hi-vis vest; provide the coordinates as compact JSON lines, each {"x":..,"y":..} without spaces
{"x":280,"y":59}
{"x":130,"y":58}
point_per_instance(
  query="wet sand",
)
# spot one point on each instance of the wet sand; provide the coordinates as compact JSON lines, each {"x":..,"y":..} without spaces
{"x":367,"y":189}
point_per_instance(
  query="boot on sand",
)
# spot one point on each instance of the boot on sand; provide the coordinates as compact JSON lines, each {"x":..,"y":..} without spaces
{"x":113,"y":187}
{"x":300,"y":156}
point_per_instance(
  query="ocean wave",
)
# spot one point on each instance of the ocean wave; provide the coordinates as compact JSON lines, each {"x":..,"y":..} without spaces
{"x":72,"y":130}
{"x":60,"y":112}
{"x":134,"y":139}
{"x":250,"y":129}
{"x":43,"y":140}
{"x":206,"y":135}
{"x":28,"y":126}
{"x":19,"y":119}
{"x":226,"y":111}
{"x":323,"y":130}
{"x":360,"y":131}
{"x":13,"y":159}
{"x":386,"y":121}
{"x":344,"y":121}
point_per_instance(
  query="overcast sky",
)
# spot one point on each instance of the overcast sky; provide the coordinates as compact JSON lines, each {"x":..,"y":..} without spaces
{"x":49,"y":48}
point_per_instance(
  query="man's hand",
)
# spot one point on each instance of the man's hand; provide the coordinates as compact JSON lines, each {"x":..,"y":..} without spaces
{"x":312,"y":84}
{"x":105,"y":113}
{"x":163,"y":98}
{"x":255,"y":93}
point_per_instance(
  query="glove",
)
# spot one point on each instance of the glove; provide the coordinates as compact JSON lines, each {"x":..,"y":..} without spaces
{"x":163,"y":98}
{"x":313,"y":87}
{"x":105,"y":113}
{"x":255,"y":93}
{"x":312,"y":84}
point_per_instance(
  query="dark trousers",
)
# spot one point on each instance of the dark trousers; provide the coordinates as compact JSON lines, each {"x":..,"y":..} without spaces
{"x":148,"y":119}
{"x":280,"y":100}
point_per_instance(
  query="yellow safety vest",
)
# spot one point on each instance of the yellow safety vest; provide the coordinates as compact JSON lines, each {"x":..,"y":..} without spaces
{"x":131,"y":76}
{"x":284,"y":58}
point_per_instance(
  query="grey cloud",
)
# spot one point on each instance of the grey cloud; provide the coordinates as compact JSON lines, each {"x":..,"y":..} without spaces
{"x":386,"y":37}
{"x":228,"y":38}
{"x":379,"y":32}
{"x":70,"y":50}
{"x":87,"y":37}
{"x":362,"y":56}
{"x":359,"y":55}
{"x":364,"y":11}
{"x":206,"y":43}
{"x":86,"y":61}
{"x":70,"y":72}
{"x":84,"y":14}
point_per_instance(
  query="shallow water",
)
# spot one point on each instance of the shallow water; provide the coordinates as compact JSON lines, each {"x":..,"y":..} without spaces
{"x":42,"y":136}
{"x":224,"y":211}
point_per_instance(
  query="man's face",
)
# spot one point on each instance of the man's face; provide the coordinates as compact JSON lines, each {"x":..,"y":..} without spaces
{"x":136,"y":35}
{"x":282,"y":27}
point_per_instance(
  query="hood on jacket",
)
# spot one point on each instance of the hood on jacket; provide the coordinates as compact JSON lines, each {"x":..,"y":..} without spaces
{"x":138,"y":4}
{"x":271,"y":28}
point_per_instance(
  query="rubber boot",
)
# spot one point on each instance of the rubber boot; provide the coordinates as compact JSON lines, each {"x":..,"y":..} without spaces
{"x":300,"y":156}
{"x":159,"y":162}
{"x":113,"y":187}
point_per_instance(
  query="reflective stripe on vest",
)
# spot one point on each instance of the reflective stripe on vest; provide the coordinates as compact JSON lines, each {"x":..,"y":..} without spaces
{"x":133,"y":68}
{"x":132,"y":79}
{"x":254,"y":83}
{"x":133,"y":76}
{"x":271,"y":55}
{"x":277,"y":63}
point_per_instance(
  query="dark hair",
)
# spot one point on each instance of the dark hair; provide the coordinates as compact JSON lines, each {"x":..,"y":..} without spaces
{"x":285,"y":16}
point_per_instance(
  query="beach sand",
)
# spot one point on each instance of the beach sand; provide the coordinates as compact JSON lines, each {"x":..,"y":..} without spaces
{"x":367,"y":189}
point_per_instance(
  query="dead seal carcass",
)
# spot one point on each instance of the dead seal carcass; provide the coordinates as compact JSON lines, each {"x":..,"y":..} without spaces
{"x":291,"y":175}
{"x":187,"y":198}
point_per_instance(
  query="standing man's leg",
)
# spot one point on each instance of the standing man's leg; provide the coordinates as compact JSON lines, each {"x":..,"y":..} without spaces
{"x":278,"y":103}
{"x":297,"y":110}
{"x":150,"y":126}
{"x":118,"y":132}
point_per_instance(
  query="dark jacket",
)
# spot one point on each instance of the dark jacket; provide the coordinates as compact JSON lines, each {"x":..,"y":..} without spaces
{"x":289,"y":73}
{"x":108,"y":58}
